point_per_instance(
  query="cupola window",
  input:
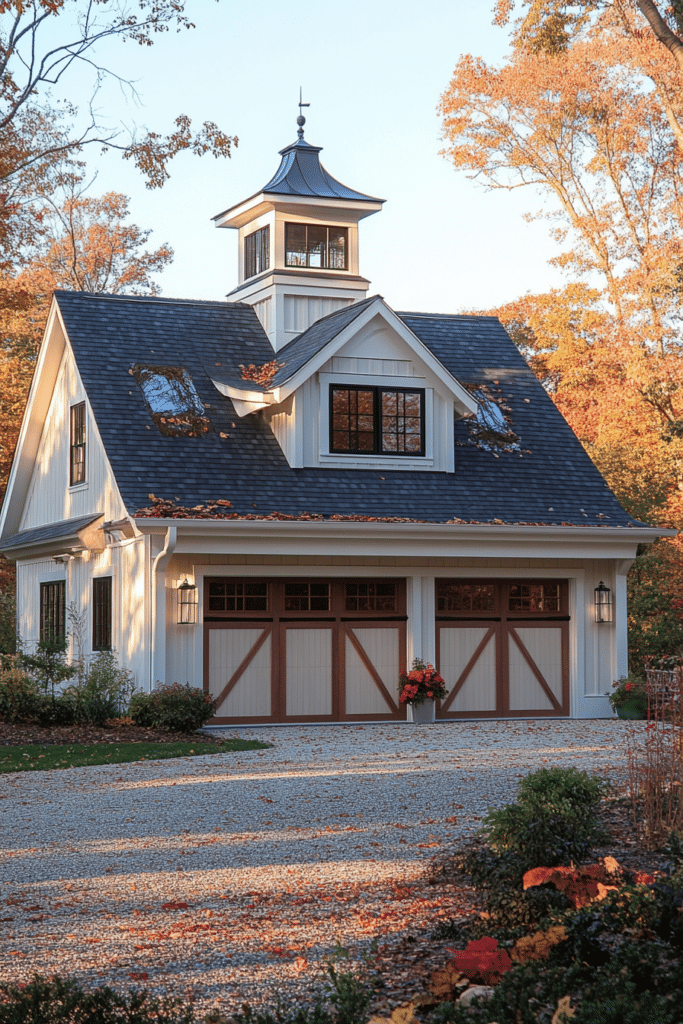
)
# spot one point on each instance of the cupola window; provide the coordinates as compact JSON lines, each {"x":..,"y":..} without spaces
{"x":257,"y":252}
{"x":376,"y":421}
{"x":313,"y":245}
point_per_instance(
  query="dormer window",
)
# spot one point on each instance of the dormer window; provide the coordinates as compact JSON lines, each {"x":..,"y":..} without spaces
{"x":376,"y":421}
{"x":313,"y":245}
{"x":257,"y":252}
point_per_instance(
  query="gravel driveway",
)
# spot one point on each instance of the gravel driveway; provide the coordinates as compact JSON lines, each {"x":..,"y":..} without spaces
{"x":223,"y":877}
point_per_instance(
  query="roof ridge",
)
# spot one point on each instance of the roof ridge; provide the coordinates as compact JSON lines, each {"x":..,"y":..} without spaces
{"x":161,"y":299}
{"x":448,"y":316}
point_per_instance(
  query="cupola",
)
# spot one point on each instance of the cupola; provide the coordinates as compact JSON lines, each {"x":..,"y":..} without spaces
{"x":298,"y":243}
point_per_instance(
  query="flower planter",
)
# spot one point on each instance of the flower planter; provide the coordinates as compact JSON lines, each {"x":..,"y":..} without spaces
{"x":631,"y":712}
{"x":421,"y":714}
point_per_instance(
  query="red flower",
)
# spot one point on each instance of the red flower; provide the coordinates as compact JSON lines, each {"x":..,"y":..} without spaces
{"x":628,"y":686}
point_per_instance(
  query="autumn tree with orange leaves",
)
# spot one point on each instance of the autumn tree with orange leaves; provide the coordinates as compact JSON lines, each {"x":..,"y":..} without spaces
{"x":587,"y":110}
{"x":77,"y":242}
{"x":40,"y":42}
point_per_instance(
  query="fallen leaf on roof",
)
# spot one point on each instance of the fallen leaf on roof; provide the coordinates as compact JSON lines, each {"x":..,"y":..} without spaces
{"x":262,"y":375}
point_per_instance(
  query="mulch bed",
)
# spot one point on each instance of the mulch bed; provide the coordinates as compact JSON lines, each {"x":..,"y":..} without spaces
{"x":403,"y":969}
{"x":19,"y":734}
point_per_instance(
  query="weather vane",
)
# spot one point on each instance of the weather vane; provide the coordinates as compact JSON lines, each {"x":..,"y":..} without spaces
{"x":301,"y":120}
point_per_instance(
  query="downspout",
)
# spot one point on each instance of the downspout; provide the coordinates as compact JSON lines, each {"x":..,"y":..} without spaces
{"x":159,"y":564}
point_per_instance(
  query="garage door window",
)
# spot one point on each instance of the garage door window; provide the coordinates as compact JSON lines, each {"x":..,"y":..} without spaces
{"x":228,"y":596}
{"x":465,"y":597}
{"x":371,"y":597}
{"x":307,"y":597}
{"x":534,"y":597}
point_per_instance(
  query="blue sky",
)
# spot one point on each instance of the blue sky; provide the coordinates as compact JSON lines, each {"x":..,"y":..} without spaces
{"x":373,"y":72}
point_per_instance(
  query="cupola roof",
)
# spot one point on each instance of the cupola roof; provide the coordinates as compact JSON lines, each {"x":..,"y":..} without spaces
{"x":301,"y":174}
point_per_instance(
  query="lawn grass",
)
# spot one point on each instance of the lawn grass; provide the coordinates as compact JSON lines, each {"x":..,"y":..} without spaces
{"x":39,"y":757}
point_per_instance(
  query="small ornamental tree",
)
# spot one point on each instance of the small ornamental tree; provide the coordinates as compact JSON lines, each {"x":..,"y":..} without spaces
{"x":48,"y":665}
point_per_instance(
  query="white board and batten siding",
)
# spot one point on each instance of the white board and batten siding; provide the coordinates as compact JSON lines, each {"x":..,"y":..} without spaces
{"x":376,"y":356}
{"x":50,"y":498}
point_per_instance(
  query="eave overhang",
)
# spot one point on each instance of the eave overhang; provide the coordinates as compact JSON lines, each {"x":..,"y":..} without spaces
{"x":264,"y":202}
{"x":405,"y":539}
{"x":68,"y":538}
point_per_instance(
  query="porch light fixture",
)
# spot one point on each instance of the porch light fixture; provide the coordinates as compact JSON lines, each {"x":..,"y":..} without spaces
{"x":603,"y":603}
{"x":187,"y":603}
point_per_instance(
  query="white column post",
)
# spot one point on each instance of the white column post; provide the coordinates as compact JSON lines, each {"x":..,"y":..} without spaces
{"x":621,"y":618}
{"x":421,"y":608}
{"x":158,"y":594}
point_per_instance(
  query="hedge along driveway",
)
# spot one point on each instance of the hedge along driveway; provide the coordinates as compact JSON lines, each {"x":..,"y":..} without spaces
{"x":219,"y":878}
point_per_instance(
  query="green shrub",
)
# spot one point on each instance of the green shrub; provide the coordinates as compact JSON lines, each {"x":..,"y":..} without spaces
{"x":58,"y":710}
{"x":19,"y":696}
{"x":48,"y":1001}
{"x":345,"y":999}
{"x":175,"y":707}
{"x":554,"y":820}
{"x":634,"y":983}
{"x":8,"y":623}
{"x":508,"y":906}
{"x":103,"y":690}
{"x":579,"y":788}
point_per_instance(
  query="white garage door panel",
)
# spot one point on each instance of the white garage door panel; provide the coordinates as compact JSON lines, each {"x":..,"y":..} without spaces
{"x":363,"y":696}
{"x":250,"y":696}
{"x":545,"y":647}
{"x":478,"y":692}
{"x":309,"y":671}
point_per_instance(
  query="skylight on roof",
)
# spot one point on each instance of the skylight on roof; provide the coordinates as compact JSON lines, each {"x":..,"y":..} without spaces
{"x":491,"y":429}
{"x":172,"y":399}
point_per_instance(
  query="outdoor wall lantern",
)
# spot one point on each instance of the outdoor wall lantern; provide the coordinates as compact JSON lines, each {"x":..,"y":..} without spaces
{"x":187,"y":603}
{"x":603,"y":603}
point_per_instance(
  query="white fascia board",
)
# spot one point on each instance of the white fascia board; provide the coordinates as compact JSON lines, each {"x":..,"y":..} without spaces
{"x":244,"y":406}
{"x":418,"y":540}
{"x":238,"y":216}
{"x":466,"y":404}
{"x":37,"y":406}
{"x":264,"y":202}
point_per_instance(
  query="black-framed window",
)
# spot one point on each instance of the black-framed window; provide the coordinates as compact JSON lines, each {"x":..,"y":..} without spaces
{"x":317,"y":246}
{"x":257,"y":252}
{"x":53,"y":610}
{"x":376,"y":421}
{"x":101,"y":613}
{"x":77,"y":446}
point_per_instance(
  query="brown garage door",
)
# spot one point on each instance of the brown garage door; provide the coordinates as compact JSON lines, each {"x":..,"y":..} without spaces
{"x":304,"y":650}
{"x":503,"y":647}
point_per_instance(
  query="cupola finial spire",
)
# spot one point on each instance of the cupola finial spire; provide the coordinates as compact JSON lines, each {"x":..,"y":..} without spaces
{"x":301,"y":120}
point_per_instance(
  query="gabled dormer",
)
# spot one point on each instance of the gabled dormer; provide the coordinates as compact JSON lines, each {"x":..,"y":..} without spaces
{"x":298,"y":244}
{"x":357,"y":390}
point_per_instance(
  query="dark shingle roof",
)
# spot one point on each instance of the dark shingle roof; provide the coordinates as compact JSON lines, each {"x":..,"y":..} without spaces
{"x":297,"y":352}
{"x":65,"y":529}
{"x":551,"y":481}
